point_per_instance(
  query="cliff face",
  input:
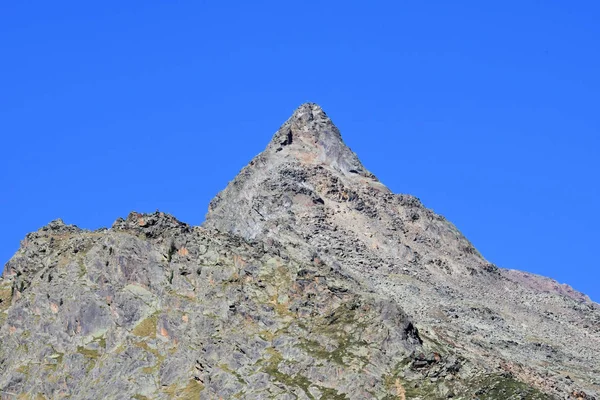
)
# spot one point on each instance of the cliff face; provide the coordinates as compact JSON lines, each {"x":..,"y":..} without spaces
{"x":309,"y":279}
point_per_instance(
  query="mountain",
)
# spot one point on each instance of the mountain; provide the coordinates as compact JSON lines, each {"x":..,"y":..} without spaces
{"x":309,"y":279}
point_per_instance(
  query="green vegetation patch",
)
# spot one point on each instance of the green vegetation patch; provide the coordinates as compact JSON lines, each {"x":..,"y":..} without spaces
{"x":82,"y":269}
{"x":147,"y":328}
{"x":101,"y":341}
{"x":150,"y":370}
{"x":271,"y":367}
{"x":341,"y":326}
{"x":155,"y":352}
{"x":5,"y":298}
{"x":23,"y":369}
{"x":505,"y":387}
{"x":331,"y":394}
{"x":52,"y":366}
{"x":190,"y":392}
{"x":489,"y":387}
{"x":226,"y":368}
{"x":89,"y":353}
{"x":58,"y":357}
{"x":398,"y":388}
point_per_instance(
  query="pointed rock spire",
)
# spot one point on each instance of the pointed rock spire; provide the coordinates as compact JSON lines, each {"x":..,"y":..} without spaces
{"x":310,"y":136}
{"x":309,"y":121}
{"x":305,"y":161}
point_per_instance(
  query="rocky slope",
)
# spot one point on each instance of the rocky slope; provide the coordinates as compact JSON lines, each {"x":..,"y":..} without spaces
{"x":308,"y":280}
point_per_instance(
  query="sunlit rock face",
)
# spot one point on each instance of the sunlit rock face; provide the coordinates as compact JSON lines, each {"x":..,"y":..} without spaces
{"x":309,"y":279}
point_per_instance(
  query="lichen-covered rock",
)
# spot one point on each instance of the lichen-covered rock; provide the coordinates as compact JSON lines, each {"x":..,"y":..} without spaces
{"x":308,"y":280}
{"x":160,"y":308}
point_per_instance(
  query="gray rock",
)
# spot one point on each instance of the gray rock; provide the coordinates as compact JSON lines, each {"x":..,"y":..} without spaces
{"x":309,"y":279}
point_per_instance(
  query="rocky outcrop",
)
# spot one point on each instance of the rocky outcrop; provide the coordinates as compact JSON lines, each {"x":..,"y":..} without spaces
{"x":301,"y":196}
{"x":308,"y":280}
{"x":155,"y":308}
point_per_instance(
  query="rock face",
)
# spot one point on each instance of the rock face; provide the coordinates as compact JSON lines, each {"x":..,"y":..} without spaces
{"x":308,"y":280}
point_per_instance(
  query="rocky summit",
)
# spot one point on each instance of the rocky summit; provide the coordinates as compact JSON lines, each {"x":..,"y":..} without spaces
{"x":309,"y":279}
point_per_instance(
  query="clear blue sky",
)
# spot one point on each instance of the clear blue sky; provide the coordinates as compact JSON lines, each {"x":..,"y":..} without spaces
{"x":487,"y":111}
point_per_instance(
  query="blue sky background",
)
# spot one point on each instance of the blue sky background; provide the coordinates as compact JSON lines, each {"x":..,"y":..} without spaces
{"x":487,"y":111}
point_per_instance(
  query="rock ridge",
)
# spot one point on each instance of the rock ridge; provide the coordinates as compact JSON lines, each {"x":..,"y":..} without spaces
{"x":300,"y":195}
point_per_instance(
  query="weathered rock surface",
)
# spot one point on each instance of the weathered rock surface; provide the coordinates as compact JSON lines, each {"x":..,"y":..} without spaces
{"x":308,"y":280}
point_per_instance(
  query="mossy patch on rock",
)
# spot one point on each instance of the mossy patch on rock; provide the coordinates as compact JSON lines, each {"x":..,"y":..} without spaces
{"x":147,"y":327}
{"x":271,"y":367}
{"x":89,"y":353}
{"x":342,"y":326}
{"x":505,"y":387}
{"x":5,"y":300}
{"x":191,"y":391}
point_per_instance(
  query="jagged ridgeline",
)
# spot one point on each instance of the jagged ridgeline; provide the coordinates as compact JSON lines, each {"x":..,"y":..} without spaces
{"x":308,"y":280}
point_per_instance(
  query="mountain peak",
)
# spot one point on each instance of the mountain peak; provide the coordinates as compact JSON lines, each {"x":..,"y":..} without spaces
{"x":306,"y":159}
{"x":308,"y":109}
{"x":311,"y":137}
{"x":312,"y":115}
